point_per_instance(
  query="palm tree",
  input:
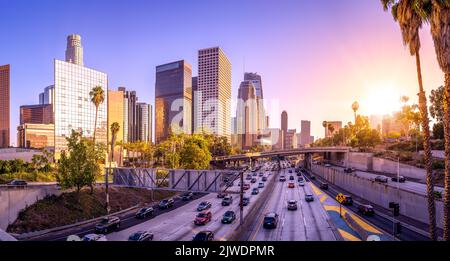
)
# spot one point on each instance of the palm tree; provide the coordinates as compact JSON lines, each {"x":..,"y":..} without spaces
{"x":97,"y":97}
{"x":355,"y":107}
{"x":325,"y":124}
{"x":409,"y":15}
{"x":115,"y":127}
{"x":439,"y":14}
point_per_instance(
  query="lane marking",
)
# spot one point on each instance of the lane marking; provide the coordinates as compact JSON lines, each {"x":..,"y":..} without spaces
{"x":348,"y":236}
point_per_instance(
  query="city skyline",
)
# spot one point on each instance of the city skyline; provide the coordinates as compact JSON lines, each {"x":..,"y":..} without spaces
{"x":290,"y":68}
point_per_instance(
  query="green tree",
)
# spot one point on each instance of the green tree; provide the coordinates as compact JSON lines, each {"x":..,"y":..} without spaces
{"x":438,"y":130}
{"x":195,"y":153}
{"x":97,"y":97}
{"x":410,"y":16}
{"x":437,"y":103}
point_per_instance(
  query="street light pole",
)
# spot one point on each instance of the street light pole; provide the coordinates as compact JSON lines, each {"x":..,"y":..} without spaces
{"x":241,"y":205}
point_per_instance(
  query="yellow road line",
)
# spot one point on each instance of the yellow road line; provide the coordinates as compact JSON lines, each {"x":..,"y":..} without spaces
{"x":323,"y":198}
{"x":348,"y":236}
{"x":365,"y":225}
{"x":316,"y":190}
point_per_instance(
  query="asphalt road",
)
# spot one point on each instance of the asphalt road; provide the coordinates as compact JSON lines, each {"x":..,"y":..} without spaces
{"x":307,"y":223}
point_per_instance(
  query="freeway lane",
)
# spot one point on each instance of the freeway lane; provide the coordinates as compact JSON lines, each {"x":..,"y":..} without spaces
{"x":308,"y":223}
{"x":178,"y":224}
{"x":381,"y":221}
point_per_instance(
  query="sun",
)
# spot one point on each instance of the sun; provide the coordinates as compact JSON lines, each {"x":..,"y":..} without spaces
{"x":381,"y":101}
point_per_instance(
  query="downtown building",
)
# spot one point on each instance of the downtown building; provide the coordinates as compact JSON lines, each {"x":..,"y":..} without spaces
{"x":4,"y":105}
{"x":213,"y":103}
{"x":335,"y":127}
{"x":72,"y":102}
{"x":173,"y":99}
{"x":247,"y":116}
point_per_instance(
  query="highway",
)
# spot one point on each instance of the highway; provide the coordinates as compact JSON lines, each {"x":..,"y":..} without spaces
{"x":178,"y":224}
{"x":308,"y":223}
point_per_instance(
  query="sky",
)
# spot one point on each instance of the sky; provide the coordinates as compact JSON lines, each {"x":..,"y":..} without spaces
{"x":315,"y":57}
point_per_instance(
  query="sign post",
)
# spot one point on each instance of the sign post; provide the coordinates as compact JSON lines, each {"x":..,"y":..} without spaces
{"x":340,"y":198}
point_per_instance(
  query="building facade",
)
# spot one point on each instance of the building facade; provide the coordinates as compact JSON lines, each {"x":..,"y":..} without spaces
{"x":144,"y":121}
{"x":48,"y":95}
{"x":173,"y":99}
{"x":36,"y":136}
{"x":115,"y":114}
{"x":194,"y":103}
{"x":36,"y":114}
{"x":305,"y":133}
{"x":257,"y":82}
{"x":247,"y":115}
{"x":214,"y":89}
{"x":130,"y":132}
{"x":4,"y":105}
{"x":290,"y":140}
{"x":335,"y":127}
{"x":74,"y":50}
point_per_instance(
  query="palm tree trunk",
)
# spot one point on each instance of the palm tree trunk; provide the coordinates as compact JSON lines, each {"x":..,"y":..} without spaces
{"x":446,"y":121}
{"x":95,"y":122}
{"x":427,"y":152}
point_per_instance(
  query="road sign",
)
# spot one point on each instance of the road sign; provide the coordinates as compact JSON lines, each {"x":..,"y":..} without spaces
{"x":340,"y":197}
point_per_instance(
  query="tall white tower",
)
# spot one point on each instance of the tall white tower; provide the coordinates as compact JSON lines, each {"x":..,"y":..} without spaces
{"x":74,"y":51}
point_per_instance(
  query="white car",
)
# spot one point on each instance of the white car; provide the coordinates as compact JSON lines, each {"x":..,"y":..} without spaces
{"x":94,"y":237}
{"x":301,"y":183}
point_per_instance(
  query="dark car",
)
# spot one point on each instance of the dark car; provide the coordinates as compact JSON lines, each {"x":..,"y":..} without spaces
{"x":204,"y":205}
{"x":254,"y":174}
{"x":107,"y":224}
{"x":165,"y":203}
{"x":261,"y":185}
{"x":309,"y":197}
{"x":141,"y":236}
{"x":323,"y":185}
{"x":282,"y":178}
{"x":253,"y":180}
{"x":291,"y":178}
{"x":187,"y":196}
{"x":261,"y":174}
{"x":366,"y":210}
{"x":264,"y":178}
{"x":381,"y":179}
{"x":348,"y":201}
{"x":245,"y":201}
{"x":204,"y":236}
{"x":399,"y":179}
{"x":144,"y":212}
{"x":18,"y":182}
{"x":312,"y":177}
{"x":270,"y":220}
{"x":226,"y":201}
{"x":292,"y":205}
{"x":246,"y":186}
{"x":255,"y":191}
{"x":228,"y":217}
{"x":349,"y":170}
{"x":221,"y":195}
{"x":249,"y":177}
{"x":202,"y":218}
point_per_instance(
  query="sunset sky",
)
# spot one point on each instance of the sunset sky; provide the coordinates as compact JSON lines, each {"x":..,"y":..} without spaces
{"x":315,"y":57}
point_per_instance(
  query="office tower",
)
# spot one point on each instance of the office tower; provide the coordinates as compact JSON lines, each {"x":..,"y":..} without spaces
{"x":305,"y":136}
{"x":290,"y":139}
{"x":36,"y":136}
{"x":48,"y":96}
{"x":36,"y":114}
{"x":284,"y":126}
{"x":73,"y":107}
{"x":74,"y":51}
{"x":299,"y":139}
{"x":4,"y":105}
{"x":247,"y":115}
{"x":214,"y":87}
{"x":115,"y":114}
{"x":336,"y":126}
{"x":173,"y":99}
{"x":257,"y":82}
{"x":267,"y":121}
{"x":272,"y":137}
{"x":129,"y":115}
{"x":194,"y":103}
{"x":144,"y":121}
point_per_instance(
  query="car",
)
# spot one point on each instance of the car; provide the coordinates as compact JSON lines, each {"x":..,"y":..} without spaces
{"x":141,"y":236}
{"x":221,"y":195}
{"x":292,"y":205}
{"x":253,"y":180}
{"x":349,"y":170}
{"x":291,"y":178}
{"x":107,"y":224}
{"x":300,"y":179}
{"x":348,"y":201}
{"x":312,"y":177}
{"x":381,"y":179}
{"x":327,"y":165}
{"x":94,"y":237}
{"x":245,"y":201}
{"x":261,"y":174}
{"x":203,"y":218}
{"x":187,"y":196}
{"x":254,"y":174}
{"x":204,"y":236}
{"x":144,"y":212}
{"x":366,"y":209}
{"x":290,"y":171}
{"x":166,"y":203}
{"x":17,"y":182}
{"x":246,"y":186}
{"x":282,"y":178}
{"x":309,"y":197}
{"x":228,"y":217}
{"x":270,"y":220}
{"x":264,"y":178}
{"x":301,"y":183}
{"x":291,"y":185}
{"x":323,"y":185}
{"x":227,"y":200}
{"x":204,"y":205}
{"x":249,"y":177}
{"x":261,"y":185}
{"x":399,"y":179}
{"x":255,"y":191}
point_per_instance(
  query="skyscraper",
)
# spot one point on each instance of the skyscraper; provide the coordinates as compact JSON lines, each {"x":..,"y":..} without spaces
{"x":173,"y":99}
{"x":305,"y":136}
{"x":129,"y":115}
{"x":284,"y":126}
{"x":144,"y":121}
{"x":214,"y":87}
{"x":257,"y":82}
{"x":115,"y":114}
{"x":73,"y":107}
{"x":4,"y":105}
{"x":74,"y":51}
{"x":247,"y":115}
{"x":48,"y":96}
{"x":194,"y":103}
{"x":36,"y":114}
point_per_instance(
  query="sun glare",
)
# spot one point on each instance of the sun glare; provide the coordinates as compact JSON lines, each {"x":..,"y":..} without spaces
{"x":380,"y":101}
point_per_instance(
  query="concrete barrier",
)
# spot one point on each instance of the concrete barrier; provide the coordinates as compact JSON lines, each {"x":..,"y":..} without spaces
{"x":6,"y":237}
{"x":412,"y":204}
